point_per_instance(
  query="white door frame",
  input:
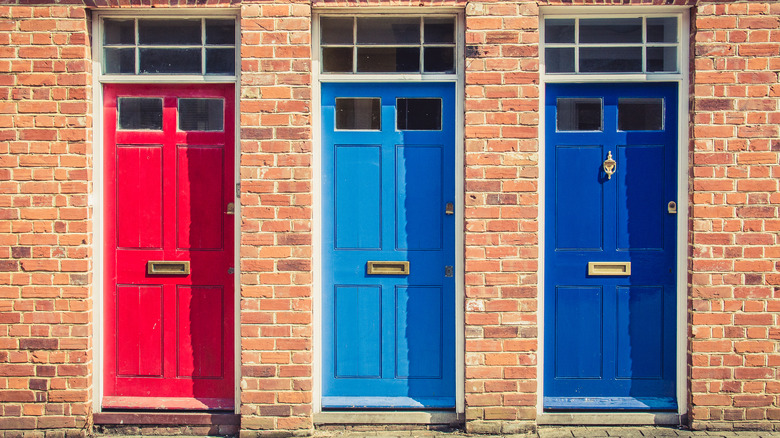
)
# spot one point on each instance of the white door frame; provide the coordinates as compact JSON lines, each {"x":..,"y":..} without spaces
{"x":96,"y":197}
{"x":318,"y":78}
{"x":683,"y":231}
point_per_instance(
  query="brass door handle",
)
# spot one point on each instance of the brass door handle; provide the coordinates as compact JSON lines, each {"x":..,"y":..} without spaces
{"x":387,"y":268}
{"x":164,"y":267}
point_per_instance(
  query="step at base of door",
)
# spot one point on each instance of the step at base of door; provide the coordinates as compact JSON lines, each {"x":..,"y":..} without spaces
{"x":610,"y":418}
{"x":388,"y":417}
{"x":166,"y":418}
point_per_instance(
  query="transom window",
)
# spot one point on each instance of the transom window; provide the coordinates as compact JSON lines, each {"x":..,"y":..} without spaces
{"x":382,"y":44}
{"x":611,"y":45}
{"x":144,"y":46}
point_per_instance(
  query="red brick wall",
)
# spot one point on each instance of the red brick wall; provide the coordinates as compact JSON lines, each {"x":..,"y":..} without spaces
{"x":45,"y":218}
{"x":502,"y":156}
{"x":735,"y":250}
{"x":276,"y":230}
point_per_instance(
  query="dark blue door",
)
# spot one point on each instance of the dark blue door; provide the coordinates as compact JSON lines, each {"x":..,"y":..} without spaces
{"x":610,"y":263}
{"x":388,"y":245}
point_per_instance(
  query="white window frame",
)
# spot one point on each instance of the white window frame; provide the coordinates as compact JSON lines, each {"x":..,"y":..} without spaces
{"x":682,"y":78}
{"x":458,"y":77}
{"x":96,"y":198}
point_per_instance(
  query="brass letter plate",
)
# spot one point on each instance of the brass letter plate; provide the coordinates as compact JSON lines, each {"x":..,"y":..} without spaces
{"x":162,"y":267}
{"x":387,"y":268}
{"x":609,"y":268}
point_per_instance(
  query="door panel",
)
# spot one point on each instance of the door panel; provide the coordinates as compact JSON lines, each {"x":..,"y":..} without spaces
{"x":169,"y":337}
{"x":388,"y":339}
{"x":610,"y":339}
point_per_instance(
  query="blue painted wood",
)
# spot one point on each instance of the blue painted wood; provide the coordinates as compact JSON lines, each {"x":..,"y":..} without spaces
{"x":610,"y":403}
{"x":384,"y":196}
{"x":610,"y":341}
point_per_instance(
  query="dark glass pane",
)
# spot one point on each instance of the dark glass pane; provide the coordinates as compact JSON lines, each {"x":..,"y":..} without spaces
{"x":388,"y":59}
{"x":610,"y":59}
{"x":119,"y":32}
{"x":360,"y":113}
{"x":336,"y":30}
{"x":201,"y":114}
{"x":221,"y":32}
{"x":337,"y":59}
{"x":383,"y":30}
{"x":611,"y":30}
{"x":439,"y":30}
{"x":640,"y":114}
{"x":439,"y":59}
{"x":170,"y":61}
{"x":139,"y":113}
{"x":662,"y":30}
{"x":579,"y":114}
{"x":559,"y":30}
{"x":221,"y":61}
{"x":662,"y":59}
{"x":119,"y":61}
{"x":559,"y":59}
{"x":418,"y":114}
{"x":173,"y":32}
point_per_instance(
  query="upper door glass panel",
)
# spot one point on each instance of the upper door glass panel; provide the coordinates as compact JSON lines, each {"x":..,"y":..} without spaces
{"x":611,"y":45}
{"x":388,"y":44}
{"x":141,"y":46}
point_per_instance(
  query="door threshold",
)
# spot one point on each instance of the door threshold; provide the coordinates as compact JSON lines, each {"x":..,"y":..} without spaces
{"x":610,"y":418}
{"x":388,"y":417}
{"x":167,"y":418}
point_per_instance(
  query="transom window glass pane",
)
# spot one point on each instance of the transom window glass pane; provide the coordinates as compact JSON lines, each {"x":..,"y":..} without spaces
{"x":381,"y":30}
{"x":662,"y":30}
{"x":170,"y":61}
{"x":610,"y":30}
{"x":642,"y":114}
{"x":221,"y":32}
{"x":559,"y":30}
{"x":139,"y":113}
{"x":388,"y":59}
{"x":337,"y":59}
{"x":661,"y":59}
{"x":418,"y":114}
{"x":169,"y":32}
{"x":407,"y":44}
{"x":169,"y":46}
{"x":439,"y":30}
{"x":579,"y":114}
{"x":614,"y":59}
{"x":201,"y":114}
{"x":559,"y":59}
{"x":359,"y":114}
{"x":439,"y":59}
{"x":336,"y":30}
{"x":119,"y":32}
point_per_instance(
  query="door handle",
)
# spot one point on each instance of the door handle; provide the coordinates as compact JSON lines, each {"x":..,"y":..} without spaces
{"x":163,"y":267}
{"x":671,"y":207}
{"x":614,"y":269}
{"x":387,"y":268}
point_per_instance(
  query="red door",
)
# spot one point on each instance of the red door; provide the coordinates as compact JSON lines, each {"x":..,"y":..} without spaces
{"x":169,"y":246}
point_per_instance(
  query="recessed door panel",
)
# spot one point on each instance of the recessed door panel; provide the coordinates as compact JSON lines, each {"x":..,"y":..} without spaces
{"x":418,"y":193}
{"x":200,"y":207}
{"x":358,"y":196}
{"x":610,"y":262}
{"x":139,"y":321}
{"x":139,"y":195}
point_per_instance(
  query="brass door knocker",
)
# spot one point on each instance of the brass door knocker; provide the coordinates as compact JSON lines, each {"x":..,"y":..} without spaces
{"x":609,"y":165}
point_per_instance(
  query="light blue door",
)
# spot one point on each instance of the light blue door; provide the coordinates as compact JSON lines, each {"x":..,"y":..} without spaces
{"x":388,"y":157}
{"x":610,"y":256}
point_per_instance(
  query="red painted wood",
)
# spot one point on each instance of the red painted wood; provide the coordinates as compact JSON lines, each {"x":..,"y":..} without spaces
{"x":168,"y":339}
